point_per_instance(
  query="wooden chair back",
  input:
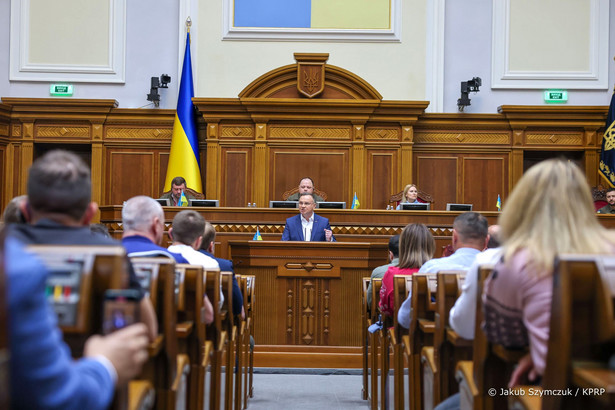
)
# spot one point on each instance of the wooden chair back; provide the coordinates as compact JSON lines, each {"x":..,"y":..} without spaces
{"x":293,"y":191}
{"x":78,"y":278}
{"x":374,"y":317}
{"x":166,"y":367}
{"x":440,"y":360}
{"x":364,"y":337}
{"x":5,"y":353}
{"x":399,"y":338}
{"x":582,"y":330}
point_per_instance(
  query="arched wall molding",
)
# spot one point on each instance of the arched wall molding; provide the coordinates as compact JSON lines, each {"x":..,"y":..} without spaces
{"x":282,"y":83}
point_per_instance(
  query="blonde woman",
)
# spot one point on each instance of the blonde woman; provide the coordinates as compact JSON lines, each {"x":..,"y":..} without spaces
{"x":534,"y":229}
{"x":416,"y":246}
{"x":410,"y":195}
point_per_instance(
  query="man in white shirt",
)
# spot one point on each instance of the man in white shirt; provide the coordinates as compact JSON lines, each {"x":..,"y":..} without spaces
{"x":470,"y":237}
{"x":187,"y":235}
{"x":307,"y":226}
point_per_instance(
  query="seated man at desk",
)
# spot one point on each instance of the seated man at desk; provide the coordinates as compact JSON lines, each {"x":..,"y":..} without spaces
{"x":178,"y":185}
{"x":610,"y":207}
{"x":307,"y":226}
{"x":306,"y":186}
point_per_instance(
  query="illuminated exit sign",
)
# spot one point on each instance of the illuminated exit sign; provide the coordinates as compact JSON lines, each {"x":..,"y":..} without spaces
{"x":556,"y":96}
{"x":61,"y":90}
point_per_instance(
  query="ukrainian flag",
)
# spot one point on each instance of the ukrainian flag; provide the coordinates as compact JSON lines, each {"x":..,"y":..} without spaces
{"x":498,"y":204}
{"x":257,"y":235}
{"x":355,"y":202}
{"x":607,"y":155}
{"x":184,"y":157}
{"x":183,"y":201}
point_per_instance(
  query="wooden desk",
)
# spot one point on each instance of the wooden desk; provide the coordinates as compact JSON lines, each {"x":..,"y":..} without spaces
{"x":308,"y":299}
{"x":349,"y":225}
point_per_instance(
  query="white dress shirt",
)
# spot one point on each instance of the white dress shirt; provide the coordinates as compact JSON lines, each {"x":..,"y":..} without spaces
{"x":307,"y":225}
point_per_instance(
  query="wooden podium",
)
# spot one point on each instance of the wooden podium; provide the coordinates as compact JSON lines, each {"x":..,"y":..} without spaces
{"x":307,"y":310}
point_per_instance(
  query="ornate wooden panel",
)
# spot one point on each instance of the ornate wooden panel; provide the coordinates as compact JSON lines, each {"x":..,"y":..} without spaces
{"x":484,"y":178}
{"x":438,"y":175}
{"x":236,"y":177}
{"x":329,"y":168}
{"x":130,"y":173}
{"x":383,"y":167}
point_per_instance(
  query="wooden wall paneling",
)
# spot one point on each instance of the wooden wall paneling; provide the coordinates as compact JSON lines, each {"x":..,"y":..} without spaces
{"x":5,"y":196}
{"x":329,"y":168}
{"x":260,"y":167}
{"x":212,"y":175}
{"x":360,"y":182}
{"x":484,"y":178}
{"x":130,"y":173}
{"x":382,"y":179}
{"x":438,"y":174}
{"x":236,"y":176}
{"x":163,"y":164}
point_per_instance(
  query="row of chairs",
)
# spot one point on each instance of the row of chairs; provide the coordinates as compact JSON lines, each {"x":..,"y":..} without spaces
{"x":430,"y":361}
{"x":191,"y":365}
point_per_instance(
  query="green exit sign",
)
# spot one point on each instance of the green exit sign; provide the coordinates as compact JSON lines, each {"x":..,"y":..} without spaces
{"x":556,"y":96}
{"x":61,"y":90}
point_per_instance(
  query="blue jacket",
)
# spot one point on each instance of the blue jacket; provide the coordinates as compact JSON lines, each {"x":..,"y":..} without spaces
{"x":227,"y":266}
{"x":293,"y":231}
{"x":43,"y":374}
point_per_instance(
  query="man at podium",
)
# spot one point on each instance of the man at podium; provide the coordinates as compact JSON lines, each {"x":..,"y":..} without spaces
{"x":307,"y":226}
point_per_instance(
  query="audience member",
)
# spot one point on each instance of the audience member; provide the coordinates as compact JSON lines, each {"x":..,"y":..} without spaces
{"x":610,"y":207}
{"x":59,"y":211}
{"x":187,"y":235}
{"x":178,"y":185}
{"x":416,"y":246}
{"x":43,"y":375}
{"x":469,"y":239}
{"x":410,"y":195}
{"x":494,"y":236}
{"x":307,"y":226}
{"x":207,"y":247}
{"x":535,"y":229}
{"x":12,"y":213}
{"x":143,"y":223}
{"x":100,"y":229}
{"x":306,"y":186}
{"x":379,"y":271}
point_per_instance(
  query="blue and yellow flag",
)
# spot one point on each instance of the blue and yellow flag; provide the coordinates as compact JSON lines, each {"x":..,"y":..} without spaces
{"x":355,"y":202}
{"x":257,"y":235}
{"x":607,"y":155}
{"x":183,"y":201}
{"x":498,"y":204}
{"x":184,"y":157}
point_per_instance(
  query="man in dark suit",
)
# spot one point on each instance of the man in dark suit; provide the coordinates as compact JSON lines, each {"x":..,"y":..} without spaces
{"x":178,"y":185}
{"x":307,"y":226}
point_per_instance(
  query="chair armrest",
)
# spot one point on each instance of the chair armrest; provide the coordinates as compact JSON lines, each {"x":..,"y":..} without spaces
{"x":428,"y":357}
{"x":154,"y":347}
{"x":464,"y":372}
{"x":141,"y":395}
{"x":456,"y":340}
{"x":184,"y":329}
{"x":427,"y":326}
{"x":183,"y":367}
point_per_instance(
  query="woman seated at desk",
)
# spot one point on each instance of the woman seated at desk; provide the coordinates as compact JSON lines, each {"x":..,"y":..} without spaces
{"x":410,"y":196}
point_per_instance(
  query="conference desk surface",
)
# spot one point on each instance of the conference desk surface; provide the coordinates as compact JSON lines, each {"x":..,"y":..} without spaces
{"x":349,"y":225}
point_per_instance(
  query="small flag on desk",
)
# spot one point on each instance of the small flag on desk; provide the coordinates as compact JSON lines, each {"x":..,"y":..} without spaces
{"x":183,"y":201}
{"x":499,"y":203}
{"x":257,"y":235}
{"x":355,"y":202}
